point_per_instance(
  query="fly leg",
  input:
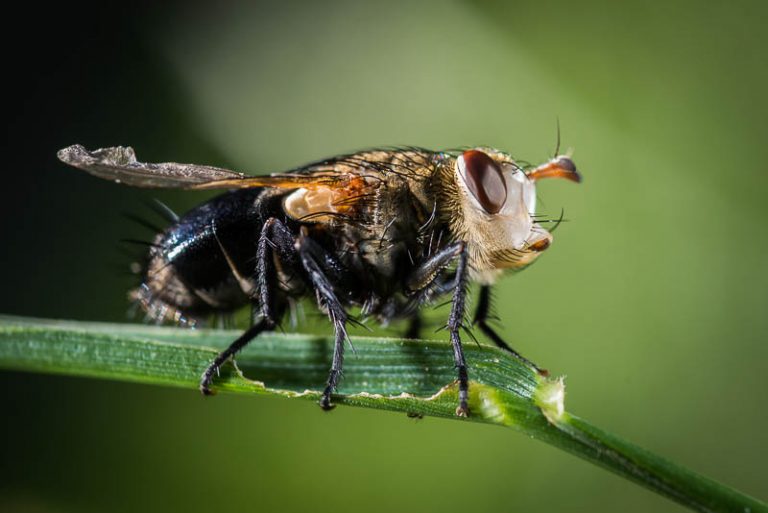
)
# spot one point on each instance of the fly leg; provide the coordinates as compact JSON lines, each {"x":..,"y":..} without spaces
{"x":423,"y":280}
{"x":415,"y":323}
{"x":275,"y":237}
{"x":207,"y":377}
{"x":481,"y":320}
{"x":320,"y":266}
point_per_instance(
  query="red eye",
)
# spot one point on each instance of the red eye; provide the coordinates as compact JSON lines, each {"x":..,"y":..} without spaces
{"x":484,"y":180}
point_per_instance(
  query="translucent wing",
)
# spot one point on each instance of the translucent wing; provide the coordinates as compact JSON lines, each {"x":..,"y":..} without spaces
{"x":119,"y":164}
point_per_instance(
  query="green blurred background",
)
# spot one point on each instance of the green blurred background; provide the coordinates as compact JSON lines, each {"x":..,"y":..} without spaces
{"x":652,"y":300}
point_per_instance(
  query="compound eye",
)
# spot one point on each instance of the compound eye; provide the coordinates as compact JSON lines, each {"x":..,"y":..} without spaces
{"x":484,"y":180}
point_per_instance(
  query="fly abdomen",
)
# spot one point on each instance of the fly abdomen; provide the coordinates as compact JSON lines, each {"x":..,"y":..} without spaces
{"x":196,"y":267}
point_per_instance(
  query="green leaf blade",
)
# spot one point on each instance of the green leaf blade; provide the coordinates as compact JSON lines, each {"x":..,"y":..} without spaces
{"x":416,"y":377}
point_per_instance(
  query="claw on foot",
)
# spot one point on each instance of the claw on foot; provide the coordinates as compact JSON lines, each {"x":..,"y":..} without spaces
{"x":326,"y":404}
{"x":205,"y":389}
{"x":205,"y":384}
{"x":462,"y":410}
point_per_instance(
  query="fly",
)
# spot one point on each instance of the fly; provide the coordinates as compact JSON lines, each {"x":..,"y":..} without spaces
{"x":387,"y":231}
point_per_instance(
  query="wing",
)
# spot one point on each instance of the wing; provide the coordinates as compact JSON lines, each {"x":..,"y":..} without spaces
{"x":119,"y":164}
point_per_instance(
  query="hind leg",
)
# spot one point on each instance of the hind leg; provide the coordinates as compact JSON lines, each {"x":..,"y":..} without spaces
{"x":275,"y":238}
{"x":213,"y":369}
{"x":320,"y":269}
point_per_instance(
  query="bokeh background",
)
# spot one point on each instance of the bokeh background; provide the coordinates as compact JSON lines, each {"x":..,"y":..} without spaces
{"x":652,"y":300}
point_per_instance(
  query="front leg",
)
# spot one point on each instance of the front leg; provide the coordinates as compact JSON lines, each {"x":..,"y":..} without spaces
{"x":455,"y":321}
{"x":481,"y":320}
{"x":424,"y":280}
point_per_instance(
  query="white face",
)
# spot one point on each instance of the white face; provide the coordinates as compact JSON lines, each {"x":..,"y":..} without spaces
{"x":498,"y":200}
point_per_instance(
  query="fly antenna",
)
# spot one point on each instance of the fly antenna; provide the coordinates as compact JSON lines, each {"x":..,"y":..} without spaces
{"x":557,"y":148}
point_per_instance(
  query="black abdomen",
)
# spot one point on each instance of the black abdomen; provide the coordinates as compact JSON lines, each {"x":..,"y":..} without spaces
{"x":190,"y":272}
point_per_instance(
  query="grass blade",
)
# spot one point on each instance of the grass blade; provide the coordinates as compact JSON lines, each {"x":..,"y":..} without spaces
{"x":416,"y":377}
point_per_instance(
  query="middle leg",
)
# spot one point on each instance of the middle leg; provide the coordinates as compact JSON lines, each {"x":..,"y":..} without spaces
{"x":316,"y":261}
{"x":415,"y":323}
